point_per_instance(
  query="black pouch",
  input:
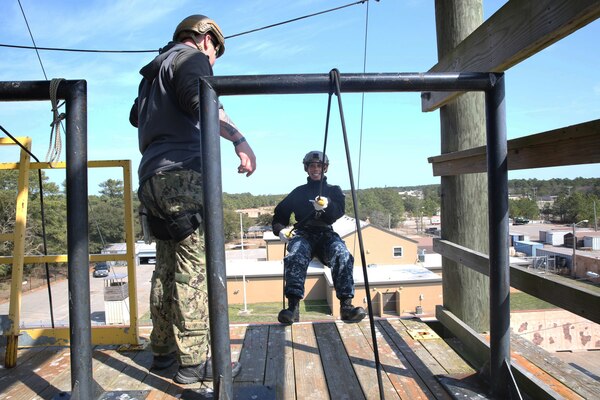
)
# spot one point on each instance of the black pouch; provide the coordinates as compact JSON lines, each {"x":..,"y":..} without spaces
{"x":158,"y":227}
{"x":183,"y":225}
{"x":176,"y":228}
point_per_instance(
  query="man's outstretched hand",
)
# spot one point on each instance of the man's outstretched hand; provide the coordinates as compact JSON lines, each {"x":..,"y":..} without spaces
{"x":247,"y":159}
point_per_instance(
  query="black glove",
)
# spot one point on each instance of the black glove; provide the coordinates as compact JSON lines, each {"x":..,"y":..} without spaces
{"x":277,"y":227}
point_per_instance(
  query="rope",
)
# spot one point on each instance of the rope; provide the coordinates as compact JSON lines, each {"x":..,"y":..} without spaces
{"x":335,"y":82}
{"x":55,"y":148}
{"x":362,"y":104}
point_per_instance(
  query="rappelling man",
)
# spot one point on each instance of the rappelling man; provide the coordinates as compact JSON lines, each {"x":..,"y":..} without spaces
{"x":316,"y":206}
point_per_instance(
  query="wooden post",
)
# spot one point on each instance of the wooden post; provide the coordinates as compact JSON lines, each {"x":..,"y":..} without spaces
{"x":463,"y":197}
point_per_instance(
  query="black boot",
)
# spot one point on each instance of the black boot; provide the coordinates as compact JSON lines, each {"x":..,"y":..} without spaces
{"x":349,"y":313}
{"x":291,"y":314}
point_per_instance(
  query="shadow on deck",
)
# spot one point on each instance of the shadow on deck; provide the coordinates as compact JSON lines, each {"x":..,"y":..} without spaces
{"x":319,"y":360}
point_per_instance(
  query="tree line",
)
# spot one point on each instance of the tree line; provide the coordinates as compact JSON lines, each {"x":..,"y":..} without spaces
{"x":573,"y":201}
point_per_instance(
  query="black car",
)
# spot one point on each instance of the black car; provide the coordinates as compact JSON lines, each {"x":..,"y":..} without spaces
{"x":101,"y":270}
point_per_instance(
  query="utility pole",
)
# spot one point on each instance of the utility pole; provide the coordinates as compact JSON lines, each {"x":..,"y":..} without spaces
{"x":462,"y":125}
{"x":595,"y":218}
{"x":245,"y":310}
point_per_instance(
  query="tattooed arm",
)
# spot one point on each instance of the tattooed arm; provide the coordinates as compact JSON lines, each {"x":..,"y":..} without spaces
{"x":243,"y":150}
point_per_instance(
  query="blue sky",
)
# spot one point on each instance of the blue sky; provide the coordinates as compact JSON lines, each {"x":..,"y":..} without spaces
{"x":558,"y":87}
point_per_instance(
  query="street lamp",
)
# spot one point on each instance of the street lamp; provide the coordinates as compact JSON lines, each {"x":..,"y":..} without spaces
{"x":575,"y":243}
{"x":245,"y":310}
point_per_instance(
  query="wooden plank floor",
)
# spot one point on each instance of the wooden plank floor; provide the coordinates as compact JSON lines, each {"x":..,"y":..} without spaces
{"x":304,"y":361}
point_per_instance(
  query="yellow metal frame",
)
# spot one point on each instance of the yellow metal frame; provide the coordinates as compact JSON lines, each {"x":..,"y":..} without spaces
{"x":123,"y":334}
{"x":18,"y":239}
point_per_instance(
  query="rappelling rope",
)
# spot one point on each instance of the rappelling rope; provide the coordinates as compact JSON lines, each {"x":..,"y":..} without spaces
{"x":334,"y":76}
{"x":55,"y":148}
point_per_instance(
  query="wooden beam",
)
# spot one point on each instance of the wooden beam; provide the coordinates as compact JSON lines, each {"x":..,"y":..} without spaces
{"x":571,"y":145}
{"x":478,"y":348}
{"x":555,"y":289}
{"x":518,"y":30}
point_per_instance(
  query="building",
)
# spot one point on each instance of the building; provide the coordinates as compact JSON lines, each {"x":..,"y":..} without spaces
{"x":394,"y":289}
{"x":381,"y":246}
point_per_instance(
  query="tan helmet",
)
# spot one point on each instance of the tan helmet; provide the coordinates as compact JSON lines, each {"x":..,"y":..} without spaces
{"x":200,"y":24}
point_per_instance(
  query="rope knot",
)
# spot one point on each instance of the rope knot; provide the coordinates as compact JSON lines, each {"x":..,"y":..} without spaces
{"x":334,"y":81}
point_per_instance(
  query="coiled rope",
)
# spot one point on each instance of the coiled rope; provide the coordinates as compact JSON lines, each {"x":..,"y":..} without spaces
{"x":55,"y":145}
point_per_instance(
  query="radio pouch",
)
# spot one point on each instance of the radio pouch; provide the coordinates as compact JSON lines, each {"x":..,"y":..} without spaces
{"x":176,"y":228}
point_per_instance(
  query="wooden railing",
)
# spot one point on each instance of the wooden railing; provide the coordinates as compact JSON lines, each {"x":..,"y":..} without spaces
{"x":517,"y":31}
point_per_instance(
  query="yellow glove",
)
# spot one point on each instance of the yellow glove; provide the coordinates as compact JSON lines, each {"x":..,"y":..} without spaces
{"x":286,"y":234}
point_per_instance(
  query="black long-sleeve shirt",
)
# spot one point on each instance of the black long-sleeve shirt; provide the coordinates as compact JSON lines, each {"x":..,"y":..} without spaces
{"x":298,"y":202}
{"x":166,"y":110}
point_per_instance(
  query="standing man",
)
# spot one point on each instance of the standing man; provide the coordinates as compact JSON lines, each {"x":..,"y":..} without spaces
{"x":166,"y":113}
{"x":316,"y":205}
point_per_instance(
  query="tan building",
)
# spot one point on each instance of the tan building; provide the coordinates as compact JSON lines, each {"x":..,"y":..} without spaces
{"x":382,"y":247}
{"x":394,"y":289}
{"x":397,"y":284}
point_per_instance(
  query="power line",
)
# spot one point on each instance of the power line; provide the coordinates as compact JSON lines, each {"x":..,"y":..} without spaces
{"x":297,"y":19}
{"x":33,"y":40}
{"x":34,"y":47}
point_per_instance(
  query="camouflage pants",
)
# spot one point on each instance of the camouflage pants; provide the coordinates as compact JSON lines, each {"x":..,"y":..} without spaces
{"x":178,"y":296}
{"x":330,"y":249}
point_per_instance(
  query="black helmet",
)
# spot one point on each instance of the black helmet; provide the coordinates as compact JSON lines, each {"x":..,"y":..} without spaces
{"x":315,"y":156}
{"x":199,"y":24}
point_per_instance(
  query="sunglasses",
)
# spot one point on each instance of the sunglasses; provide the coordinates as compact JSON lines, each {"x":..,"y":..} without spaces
{"x":215,"y":45}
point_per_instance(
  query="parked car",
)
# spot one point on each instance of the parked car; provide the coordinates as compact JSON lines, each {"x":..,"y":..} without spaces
{"x":520,"y":221}
{"x":101,"y":270}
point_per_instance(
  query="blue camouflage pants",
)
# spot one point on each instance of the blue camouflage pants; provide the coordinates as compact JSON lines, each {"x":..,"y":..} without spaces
{"x":330,"y":249}
{"x":178,"y":295}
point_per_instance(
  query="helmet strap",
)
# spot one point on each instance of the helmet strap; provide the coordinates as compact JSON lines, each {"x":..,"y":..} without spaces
{"x":197,"y":42}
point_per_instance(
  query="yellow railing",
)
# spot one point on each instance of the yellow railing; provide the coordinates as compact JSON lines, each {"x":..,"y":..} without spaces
{"x":60,"y":336}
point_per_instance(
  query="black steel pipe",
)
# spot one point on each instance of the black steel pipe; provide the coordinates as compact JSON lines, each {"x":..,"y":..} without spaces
{"x":75,"y":94}
{"x":78,"y":241}
{"x":491,"y":83}
{"x":497,"y":166}
{"x":31,"y":90}
{"x":215,"y":242}
{"x":320,"y":83}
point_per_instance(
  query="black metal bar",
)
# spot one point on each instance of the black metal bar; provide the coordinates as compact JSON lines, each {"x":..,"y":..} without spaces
{"x":492,"y":84}
{"x":78,"y":241}
{"x":497,"y":163}
{"x":75,"y":94}
{"x":30,"y":90}
{"x":215,"y":242}
{"x":319,"y":83}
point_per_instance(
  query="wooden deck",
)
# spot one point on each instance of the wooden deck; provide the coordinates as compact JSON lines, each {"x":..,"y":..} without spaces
{"x":304,"y":361}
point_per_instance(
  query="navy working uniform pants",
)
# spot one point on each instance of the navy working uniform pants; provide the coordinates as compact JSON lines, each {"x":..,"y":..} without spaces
{"x":330,"y":249}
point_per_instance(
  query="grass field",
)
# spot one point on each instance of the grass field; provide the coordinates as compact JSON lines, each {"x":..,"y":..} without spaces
{"x":523,"y":301}
{"x":310,"y":310}
{"x":318,"y":310}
